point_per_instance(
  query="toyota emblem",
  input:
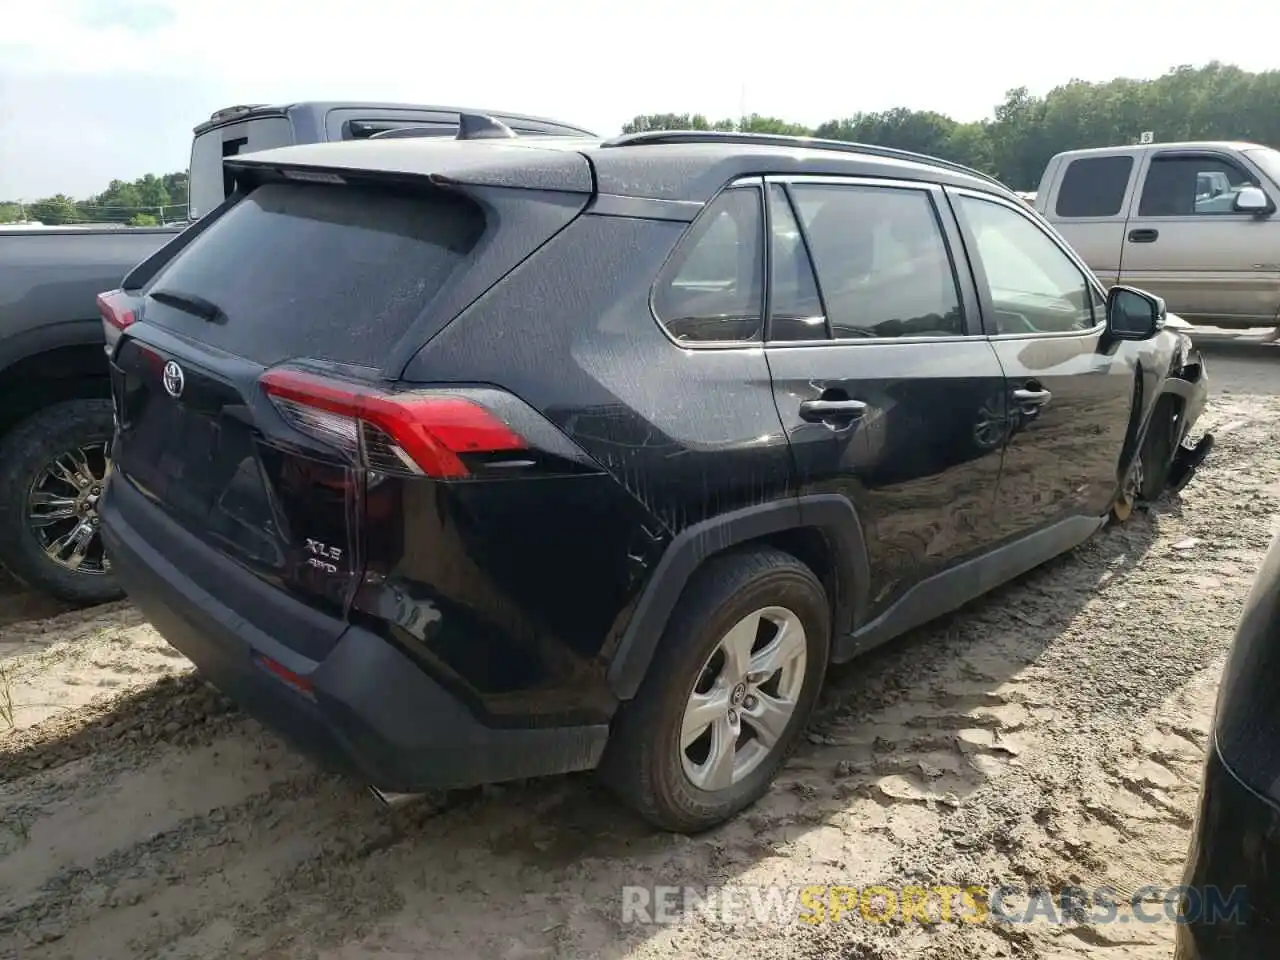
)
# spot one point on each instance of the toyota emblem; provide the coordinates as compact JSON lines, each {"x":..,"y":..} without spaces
{"x":174,"y":380}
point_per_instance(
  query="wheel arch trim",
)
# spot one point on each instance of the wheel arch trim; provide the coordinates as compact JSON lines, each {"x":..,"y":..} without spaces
{"x":832,"y":515}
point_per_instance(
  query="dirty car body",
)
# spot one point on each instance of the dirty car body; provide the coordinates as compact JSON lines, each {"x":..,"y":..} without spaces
{"x":471,"y":488}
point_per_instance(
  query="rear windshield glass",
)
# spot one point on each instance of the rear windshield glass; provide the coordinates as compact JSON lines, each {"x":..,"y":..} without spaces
{"x":308,"y":270}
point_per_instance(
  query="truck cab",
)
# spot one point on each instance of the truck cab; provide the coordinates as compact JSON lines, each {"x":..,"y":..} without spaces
{"x":1193,"y":223}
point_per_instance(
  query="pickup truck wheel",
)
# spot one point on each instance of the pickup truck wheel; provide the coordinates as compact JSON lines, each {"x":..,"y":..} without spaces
{"x":52,"y":469}
{"x":732,"y":684}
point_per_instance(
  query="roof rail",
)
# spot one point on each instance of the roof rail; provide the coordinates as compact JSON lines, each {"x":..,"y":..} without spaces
{"x":479,"y":126}
{"x":659,"y":137}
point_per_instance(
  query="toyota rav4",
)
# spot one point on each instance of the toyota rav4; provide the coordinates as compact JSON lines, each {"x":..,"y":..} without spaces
{"x":463,"y":461}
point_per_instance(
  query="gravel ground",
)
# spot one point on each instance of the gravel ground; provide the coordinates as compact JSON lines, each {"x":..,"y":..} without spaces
{"x":1049,"y":735}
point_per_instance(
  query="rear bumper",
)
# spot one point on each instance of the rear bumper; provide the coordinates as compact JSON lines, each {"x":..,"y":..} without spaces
{"x":370,"y":712}
{"x":1233,"y":872}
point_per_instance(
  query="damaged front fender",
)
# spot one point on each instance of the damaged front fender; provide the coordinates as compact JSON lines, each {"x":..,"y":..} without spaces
{"x":1191,"y":384}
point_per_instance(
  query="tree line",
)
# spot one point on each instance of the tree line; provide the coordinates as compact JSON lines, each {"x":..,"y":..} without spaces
{"x":1213,"y":102}
{"x":146,"y":202}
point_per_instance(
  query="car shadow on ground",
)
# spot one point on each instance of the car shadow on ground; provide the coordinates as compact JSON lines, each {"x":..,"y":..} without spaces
{"x":923,"y":721}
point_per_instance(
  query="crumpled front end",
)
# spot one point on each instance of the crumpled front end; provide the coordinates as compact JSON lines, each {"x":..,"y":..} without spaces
{"x":1189,"y":380}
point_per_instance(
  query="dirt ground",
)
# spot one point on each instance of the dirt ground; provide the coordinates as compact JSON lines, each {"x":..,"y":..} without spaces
{"x":1051,"y":734}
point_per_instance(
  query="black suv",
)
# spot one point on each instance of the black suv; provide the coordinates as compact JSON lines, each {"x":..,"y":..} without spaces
{"x":462,"y":461}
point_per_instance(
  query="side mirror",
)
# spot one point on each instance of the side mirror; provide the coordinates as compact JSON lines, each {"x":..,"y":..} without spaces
{"x":1251,"y":200}
{"x":1134,"y":314}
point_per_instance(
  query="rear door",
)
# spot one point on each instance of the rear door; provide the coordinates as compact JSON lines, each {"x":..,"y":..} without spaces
{"x":1184,"y":241}
{"x":889,"y":395}
{"x":336,"y":275}
{"x":1070,"y":388}
{"x":1087,"y":201}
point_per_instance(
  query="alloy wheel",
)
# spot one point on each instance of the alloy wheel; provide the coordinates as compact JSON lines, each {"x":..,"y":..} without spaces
{"x":62,"y":508}
{"x":743,"y":699}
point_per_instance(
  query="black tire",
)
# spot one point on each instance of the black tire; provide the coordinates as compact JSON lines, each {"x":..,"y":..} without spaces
{"x":643,"y":762}
{"x":25,"y":452}
{"x":1149,"y":471}
{"x":1159,"y":447}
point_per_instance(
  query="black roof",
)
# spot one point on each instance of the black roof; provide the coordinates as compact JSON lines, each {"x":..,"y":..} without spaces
{"x":690,"y":166}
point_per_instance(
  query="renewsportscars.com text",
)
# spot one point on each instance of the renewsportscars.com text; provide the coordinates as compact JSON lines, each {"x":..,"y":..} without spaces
{"x":973,"y":904}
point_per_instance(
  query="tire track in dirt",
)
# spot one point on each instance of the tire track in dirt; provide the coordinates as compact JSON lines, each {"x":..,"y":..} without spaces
{"x":1049,"y":734}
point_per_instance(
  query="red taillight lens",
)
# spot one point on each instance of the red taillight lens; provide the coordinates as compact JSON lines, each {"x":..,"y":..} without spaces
{"x":116,"y":308}
{"x":419,"y":433}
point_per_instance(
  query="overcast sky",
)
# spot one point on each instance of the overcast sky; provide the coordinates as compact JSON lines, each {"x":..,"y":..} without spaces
{"x":92,"y":90}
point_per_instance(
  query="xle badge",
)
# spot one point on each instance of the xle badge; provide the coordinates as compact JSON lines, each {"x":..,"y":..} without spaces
{"x":323,"y":555}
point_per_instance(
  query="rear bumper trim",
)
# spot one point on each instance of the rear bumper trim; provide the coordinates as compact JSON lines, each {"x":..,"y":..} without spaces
{"x":372,"y":713}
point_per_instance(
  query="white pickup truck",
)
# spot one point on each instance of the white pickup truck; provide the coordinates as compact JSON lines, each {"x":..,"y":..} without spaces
{"x":1194,"y":223}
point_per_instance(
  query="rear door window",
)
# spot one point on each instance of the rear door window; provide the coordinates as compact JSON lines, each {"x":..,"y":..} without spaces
{"x":1094,"y":187}
{"x":364,"y":129}
{"x":310,"y":270}
{"x":210,"y":184}
{"x":883,"y":265}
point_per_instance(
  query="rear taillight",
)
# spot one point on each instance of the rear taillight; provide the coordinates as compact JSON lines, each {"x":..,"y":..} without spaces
{"x":421,"y":432}
{"x":117,"y":309}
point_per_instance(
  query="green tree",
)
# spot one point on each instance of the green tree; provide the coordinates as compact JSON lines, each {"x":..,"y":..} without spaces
{"x":755,"y":123}
{"x":1213,"y":102}
{"x":56,"y":210}
{"x":667,"y":121}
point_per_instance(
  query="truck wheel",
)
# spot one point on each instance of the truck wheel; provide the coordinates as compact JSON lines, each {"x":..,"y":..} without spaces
{"x":732,"y":684}
{"x":52,"y":467}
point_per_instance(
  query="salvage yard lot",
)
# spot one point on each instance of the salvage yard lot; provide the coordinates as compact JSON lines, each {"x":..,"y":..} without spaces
{"x":1048,"y":735}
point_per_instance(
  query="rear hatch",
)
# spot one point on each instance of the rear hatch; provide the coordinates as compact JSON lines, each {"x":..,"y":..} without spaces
{"x":253,"y":398}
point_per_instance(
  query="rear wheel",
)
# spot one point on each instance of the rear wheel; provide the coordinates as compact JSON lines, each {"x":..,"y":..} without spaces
{"x":732,"y":684}
{"x":52,"y":469}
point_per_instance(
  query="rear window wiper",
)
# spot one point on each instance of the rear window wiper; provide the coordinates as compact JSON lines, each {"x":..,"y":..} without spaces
{"x":190,"y":303}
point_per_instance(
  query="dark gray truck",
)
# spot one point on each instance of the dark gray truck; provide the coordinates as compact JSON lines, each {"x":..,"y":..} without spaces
{"x":55,"y":408}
